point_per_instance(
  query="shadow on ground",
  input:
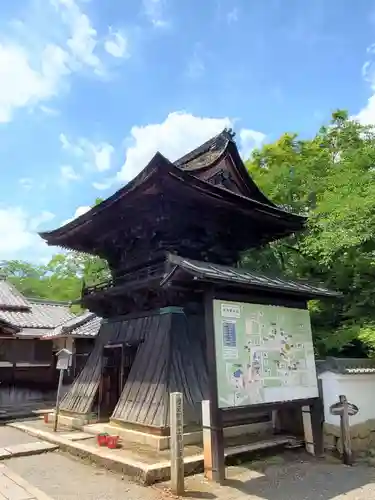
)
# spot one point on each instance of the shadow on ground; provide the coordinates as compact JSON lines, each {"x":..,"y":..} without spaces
{"x":290,"y":477}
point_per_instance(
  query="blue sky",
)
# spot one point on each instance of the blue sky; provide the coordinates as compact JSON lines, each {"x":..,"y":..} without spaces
{"x":90,"y":90}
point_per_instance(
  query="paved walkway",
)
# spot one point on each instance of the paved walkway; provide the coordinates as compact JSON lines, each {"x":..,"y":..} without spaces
{"x":60,"y":476}
{"x":13,"y":487}
{"x":292,"y":476}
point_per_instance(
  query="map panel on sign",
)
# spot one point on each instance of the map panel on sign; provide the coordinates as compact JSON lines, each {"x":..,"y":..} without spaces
{"x":264,"y":354}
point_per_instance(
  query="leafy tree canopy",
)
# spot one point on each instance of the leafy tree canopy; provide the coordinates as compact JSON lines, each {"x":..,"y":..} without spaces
{"x":329,"y":178}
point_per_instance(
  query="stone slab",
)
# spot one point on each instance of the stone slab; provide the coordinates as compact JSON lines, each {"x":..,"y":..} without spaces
{"x":76,"y":436}
{"x":144,"y":473}
{"x":22,"y":450}
{"x":14,"y":487}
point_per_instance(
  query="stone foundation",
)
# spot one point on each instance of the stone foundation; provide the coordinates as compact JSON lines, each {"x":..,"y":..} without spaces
{"x":72,"y":421}
{"x":90,"y":425}
{"x":362,"y":437}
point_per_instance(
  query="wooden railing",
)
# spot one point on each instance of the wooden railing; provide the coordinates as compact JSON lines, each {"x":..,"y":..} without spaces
{"x":137,"y":275}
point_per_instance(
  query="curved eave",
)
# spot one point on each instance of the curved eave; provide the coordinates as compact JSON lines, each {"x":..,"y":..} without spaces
{"x":253,"y":190}
{"x":236,"y":199}
{"x":224,"y":276}
{"x":159,"y":170}
{"x":87,"y":218}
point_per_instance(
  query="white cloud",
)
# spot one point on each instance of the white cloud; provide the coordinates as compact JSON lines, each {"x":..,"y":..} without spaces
{"x":102,"y":155}
{"x":249,"y":140}
{"x":90,"y":154}
{"x":178,"y":134}
{"x":116,"y":44}
{"x":101,"y":186}
{"x":21,"y":85}
{"x":38,"y":220}
{"x":26,"y":183}
{"x":82,"y":36}
{"x":154,"y":10}
{"x":19,"y":239}
{"x":366,"y":116}
{"x":35,"y":71}
{"x":47,"y":110}
{"x":68,"y":173}
{"x":232,"y":15}
{"x":79,"y":211}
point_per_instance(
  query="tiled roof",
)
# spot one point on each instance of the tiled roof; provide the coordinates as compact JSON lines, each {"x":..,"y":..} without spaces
{"x":40,"y":315}
{"x":32,"y":332}
{"x":84,"y":325}
{"x":214,"y":272}
{"x":346,"y":366}
{"x":10,"y":297}
{"x":205,"y":154}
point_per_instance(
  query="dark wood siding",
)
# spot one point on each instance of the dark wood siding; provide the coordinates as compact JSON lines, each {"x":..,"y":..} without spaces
{"x":80,"y":397}
{"x":188,"y":364}
{"x":171,"y":357}
{"x":144,"y":398}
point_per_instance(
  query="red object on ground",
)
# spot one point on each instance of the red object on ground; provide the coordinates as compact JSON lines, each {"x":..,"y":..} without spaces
{"x":102,"y":439}
{"x":112,"y":442}
{"x":46,"y":418}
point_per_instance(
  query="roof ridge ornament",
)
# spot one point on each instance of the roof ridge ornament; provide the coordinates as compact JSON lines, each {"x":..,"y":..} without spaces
{"x":229,"y":134}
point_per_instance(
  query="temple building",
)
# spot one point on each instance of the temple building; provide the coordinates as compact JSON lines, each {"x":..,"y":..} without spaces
{"x":173,"y":233}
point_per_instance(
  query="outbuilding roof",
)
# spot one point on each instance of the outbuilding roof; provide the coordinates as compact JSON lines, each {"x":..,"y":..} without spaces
{"x":346,"y":366}
{"x":206,"y":271}
{"x":29,"y":316}
{"x":86,"y":325}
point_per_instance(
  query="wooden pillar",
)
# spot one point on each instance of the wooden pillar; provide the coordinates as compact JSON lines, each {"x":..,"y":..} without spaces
{"x":316,"y":410}
{"x":307,"y":430}
{"x":177,"y":443}
{"x":275,"y":421}
{"x":216,"y":448}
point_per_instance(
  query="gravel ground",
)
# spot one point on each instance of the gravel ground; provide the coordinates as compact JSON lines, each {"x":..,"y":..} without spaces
{"x":9,"y":436}
{"x":292,"y":476}
{"x":297,"y":479}
{"x":63,"y":477}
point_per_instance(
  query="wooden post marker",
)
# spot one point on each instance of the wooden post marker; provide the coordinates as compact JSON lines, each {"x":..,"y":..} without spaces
{"x":207,"y":440}
{"x":177,"y":443}
{"x":345,"y":410}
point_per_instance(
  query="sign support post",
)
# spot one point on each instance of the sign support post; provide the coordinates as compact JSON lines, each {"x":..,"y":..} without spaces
{"x":177,"y":443}
{"x":214,"y":455}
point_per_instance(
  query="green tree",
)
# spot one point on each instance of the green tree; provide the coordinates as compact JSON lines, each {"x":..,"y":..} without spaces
{"x":329,"y":178}
{"x":61,"y":279}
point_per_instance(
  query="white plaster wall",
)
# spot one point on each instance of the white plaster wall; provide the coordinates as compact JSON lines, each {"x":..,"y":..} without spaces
{"x":359,"y":390}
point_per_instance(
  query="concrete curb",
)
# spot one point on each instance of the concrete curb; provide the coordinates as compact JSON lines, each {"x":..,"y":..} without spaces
{"x":141,"y":473}
{"x":145,"y":474}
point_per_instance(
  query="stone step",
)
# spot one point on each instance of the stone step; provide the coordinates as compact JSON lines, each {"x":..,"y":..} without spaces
{"x":23,"y":450}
